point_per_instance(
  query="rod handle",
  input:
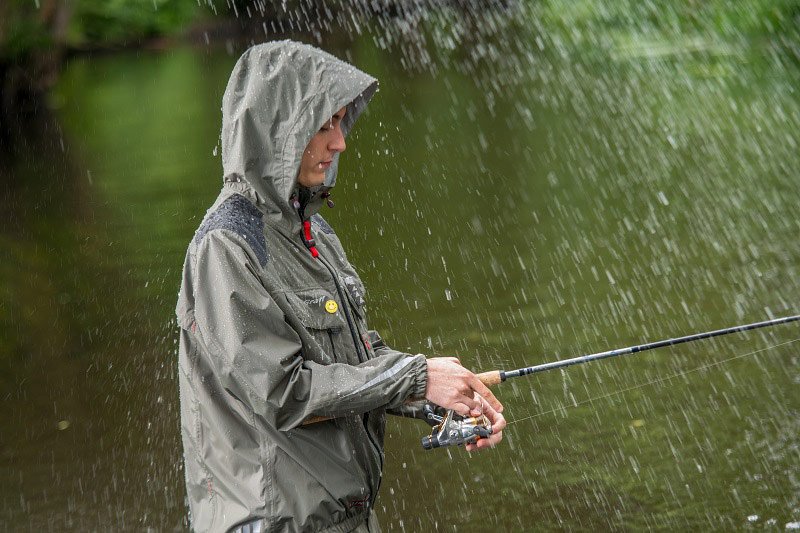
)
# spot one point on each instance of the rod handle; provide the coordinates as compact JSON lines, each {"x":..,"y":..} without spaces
{"x":490,"y":378}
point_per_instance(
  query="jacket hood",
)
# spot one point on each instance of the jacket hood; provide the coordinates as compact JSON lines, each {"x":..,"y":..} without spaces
{"x":278,"y":96}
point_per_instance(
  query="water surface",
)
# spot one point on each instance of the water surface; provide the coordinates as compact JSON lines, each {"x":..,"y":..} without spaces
{"x":510,"y":214}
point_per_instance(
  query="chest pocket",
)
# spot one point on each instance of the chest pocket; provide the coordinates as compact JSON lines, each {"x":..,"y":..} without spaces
{"x":325,"y":326}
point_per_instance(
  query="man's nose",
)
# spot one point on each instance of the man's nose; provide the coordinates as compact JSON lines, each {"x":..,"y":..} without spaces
{"x":337,"y":143}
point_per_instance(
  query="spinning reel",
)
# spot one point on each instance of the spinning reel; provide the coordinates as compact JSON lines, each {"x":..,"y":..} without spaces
{"x":453,"y":430}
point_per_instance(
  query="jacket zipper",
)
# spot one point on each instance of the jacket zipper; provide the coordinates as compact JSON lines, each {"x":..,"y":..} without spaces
{"x":310,"y":243}
{"x":353,"y":332}
{"x":345,"y":307}
{"x":308,"y":240}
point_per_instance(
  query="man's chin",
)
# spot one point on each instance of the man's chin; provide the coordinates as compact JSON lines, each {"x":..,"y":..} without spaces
{"x":313,"y":180}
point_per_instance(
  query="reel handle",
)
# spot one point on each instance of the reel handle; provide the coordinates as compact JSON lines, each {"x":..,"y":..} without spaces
{"x":452,"y":432}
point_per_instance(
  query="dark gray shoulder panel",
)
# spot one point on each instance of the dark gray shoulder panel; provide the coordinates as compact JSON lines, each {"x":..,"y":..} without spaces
{"x":324,"y":226}
{"x":239,"y":215}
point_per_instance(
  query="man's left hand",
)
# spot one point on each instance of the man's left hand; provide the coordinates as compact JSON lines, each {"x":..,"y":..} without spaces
{"x":495,"y":419}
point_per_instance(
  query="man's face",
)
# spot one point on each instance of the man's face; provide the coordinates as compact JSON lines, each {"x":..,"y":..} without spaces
{"x":318,"y":155}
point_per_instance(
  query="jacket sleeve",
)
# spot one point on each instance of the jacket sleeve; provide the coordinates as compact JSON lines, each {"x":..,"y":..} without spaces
{"x":256,"y":354}
{"x":411,"y":408}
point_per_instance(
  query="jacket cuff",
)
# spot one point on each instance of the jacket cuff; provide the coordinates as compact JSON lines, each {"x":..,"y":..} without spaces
{"x":420,"y":373}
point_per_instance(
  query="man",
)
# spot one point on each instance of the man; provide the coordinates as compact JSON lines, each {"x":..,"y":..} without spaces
{"x":272,"y":317}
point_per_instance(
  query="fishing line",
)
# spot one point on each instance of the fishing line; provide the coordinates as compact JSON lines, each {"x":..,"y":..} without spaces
{"x":651,"y":382}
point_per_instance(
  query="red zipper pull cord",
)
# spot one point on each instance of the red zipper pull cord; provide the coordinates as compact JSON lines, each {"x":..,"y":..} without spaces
{"x":308,"y":239}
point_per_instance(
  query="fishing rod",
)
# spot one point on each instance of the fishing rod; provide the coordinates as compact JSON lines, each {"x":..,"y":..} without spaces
{"x":448,"y":430}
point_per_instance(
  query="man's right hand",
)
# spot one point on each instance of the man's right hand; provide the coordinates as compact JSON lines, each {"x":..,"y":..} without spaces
{"x":452,"y":386}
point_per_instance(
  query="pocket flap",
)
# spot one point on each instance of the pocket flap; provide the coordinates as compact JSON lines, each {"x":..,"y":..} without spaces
{"x":315,"y":310}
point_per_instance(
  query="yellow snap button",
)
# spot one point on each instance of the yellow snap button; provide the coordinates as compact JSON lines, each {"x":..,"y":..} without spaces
{"x":331,"y":306}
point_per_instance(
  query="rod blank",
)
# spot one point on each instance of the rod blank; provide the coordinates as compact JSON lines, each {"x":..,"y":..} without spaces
{"x":642,"y":347}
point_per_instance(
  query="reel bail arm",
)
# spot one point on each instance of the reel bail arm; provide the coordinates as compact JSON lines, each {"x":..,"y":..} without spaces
{"x":447,"y":431}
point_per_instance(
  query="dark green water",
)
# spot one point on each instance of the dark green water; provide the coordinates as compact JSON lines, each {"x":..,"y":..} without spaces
{"x":568,"y":204}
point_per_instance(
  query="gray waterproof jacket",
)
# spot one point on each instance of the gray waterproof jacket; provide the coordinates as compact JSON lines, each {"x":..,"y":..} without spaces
{"x":271,"y":335}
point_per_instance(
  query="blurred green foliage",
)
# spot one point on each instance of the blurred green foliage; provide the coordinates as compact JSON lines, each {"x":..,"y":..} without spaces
{"x":29,"y":27}
{"x":115,"y":21}
{"x":719,"y":18}
{"x":22,"y":29}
